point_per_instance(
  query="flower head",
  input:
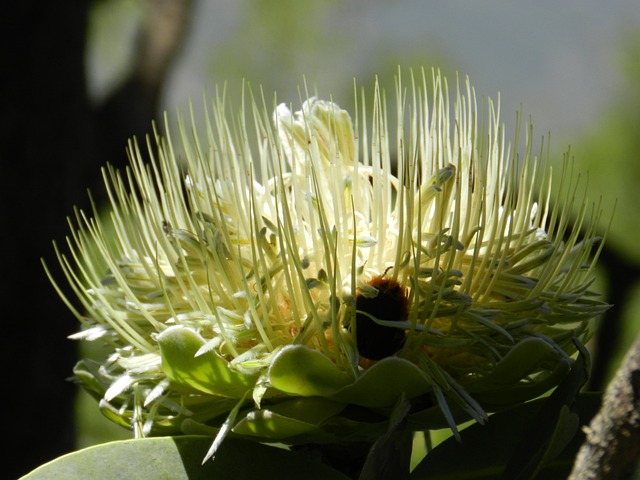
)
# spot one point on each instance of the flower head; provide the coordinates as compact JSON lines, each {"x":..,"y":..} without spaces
{"x":296,"y":286}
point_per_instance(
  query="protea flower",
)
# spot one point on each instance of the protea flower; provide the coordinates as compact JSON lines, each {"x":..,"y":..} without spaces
{"x":293,"y":287}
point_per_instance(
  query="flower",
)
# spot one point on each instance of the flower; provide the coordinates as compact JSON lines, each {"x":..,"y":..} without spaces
{"x":297,"y":287}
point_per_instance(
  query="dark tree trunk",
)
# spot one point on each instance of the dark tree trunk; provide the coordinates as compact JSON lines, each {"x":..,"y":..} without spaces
{"x":53,"y":143}
{"x":46,"y":141}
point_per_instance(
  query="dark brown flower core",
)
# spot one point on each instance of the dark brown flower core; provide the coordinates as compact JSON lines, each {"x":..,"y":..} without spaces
{"x":378,"y":341}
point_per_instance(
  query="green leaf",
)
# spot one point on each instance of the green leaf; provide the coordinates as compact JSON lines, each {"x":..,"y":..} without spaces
{"x":390,"y":455}
{"x":288,"y":418}
{"x":505,"y":386}
{"x":431,"y":417}
{"x":207,"y":372}
{"x":299,"y":370}
{"x":381,"y":385}
{"x":180,"y":458}
{"x":486,"y":450}
{"x":555,"y":424}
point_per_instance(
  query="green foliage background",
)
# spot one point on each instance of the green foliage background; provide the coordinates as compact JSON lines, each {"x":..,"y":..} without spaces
{"x":609,"y":152}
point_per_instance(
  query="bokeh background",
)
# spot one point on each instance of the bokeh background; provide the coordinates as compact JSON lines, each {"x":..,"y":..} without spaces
{"x":82,"y":79}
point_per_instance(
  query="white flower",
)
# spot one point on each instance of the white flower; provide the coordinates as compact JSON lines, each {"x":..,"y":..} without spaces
{"x":328,"y":264}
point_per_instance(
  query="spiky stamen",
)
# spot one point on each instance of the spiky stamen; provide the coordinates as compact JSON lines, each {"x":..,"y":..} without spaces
{"x":213,"y":271}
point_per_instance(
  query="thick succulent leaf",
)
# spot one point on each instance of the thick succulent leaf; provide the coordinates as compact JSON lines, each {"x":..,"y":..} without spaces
{"x":299,"y":370}
{"x":352,"y":427}
{"x":339,"y":430}
{"x":556,"y":423}
{"x":381,"y":385}
{"x":180,"y":458}
{"x":486,"y":451}
{"x":207,"y":372}
{"x":431,"y":416}
{"x":390,"y":455}
{"x":288,"y":418}
{"x":508,"y":385}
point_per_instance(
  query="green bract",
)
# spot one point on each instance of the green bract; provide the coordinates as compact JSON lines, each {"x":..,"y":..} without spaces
{"x":230,"y":283}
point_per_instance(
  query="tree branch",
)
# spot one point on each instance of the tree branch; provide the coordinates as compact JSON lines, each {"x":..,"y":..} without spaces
{"x":612,"y":446}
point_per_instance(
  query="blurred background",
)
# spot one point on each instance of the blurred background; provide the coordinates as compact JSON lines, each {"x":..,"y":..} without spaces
{"x":82,"y":79}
